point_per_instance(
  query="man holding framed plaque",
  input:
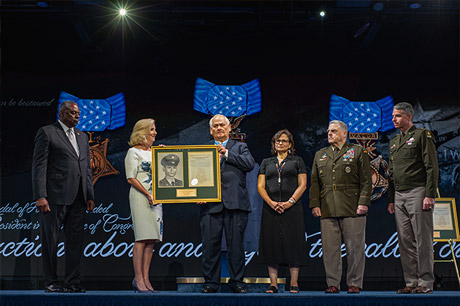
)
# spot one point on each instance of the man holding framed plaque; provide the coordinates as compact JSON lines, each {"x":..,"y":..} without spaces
{"x":231,"y":214}
{"x":413,"y":182}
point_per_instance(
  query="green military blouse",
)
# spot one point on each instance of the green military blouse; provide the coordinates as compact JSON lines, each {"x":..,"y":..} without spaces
{"x":413,"y":162}
{"x":340,"y":184}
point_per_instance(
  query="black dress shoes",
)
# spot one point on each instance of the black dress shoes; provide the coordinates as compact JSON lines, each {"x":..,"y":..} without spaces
{"x":208,"y":289}
{"x":239,"y":289}
{"x":53,"y":288}
{"x":75,"y":288}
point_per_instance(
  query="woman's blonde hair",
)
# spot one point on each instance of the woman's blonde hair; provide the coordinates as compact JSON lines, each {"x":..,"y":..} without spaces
{"x":140,"y":130}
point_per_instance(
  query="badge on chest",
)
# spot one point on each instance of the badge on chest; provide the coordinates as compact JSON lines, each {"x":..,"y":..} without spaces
{"x":323,"y":158}
{"x":410,"y":141}
{"x":349,"y":155}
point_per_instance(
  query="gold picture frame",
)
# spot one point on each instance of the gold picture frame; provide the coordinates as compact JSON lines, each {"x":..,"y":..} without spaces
{"x":445,"y":222}
{"x":186,"y":174}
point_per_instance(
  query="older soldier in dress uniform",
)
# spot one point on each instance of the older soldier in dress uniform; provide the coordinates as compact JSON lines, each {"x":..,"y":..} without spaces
{"x":413,"y":182}
{"x":341,"y":186}
{"x":169,"y":163}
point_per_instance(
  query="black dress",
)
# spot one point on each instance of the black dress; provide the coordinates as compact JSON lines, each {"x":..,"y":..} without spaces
{"x":282,"y":236}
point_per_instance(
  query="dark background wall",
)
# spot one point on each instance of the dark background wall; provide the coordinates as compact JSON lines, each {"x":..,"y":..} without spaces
{"x":299,"y":59}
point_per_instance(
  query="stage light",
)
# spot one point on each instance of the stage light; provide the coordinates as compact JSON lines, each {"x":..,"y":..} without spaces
{"x":415,"y":5}
{"x":124,"y":15}
{"x":322,"y":14}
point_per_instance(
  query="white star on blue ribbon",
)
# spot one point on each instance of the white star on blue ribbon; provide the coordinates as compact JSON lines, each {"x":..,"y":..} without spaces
{"x":369,"y":117}
{"x":232,"y":100}
{"x":98,"y":114}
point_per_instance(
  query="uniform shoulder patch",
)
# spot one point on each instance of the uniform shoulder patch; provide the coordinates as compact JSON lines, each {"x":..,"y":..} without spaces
{"x":428,"y":134}
{"x":363,"y":148}
{"x":358,"y":146}
{"x":420,"y":131}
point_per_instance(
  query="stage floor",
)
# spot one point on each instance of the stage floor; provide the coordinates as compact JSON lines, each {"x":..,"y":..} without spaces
{"x":35,"y":297}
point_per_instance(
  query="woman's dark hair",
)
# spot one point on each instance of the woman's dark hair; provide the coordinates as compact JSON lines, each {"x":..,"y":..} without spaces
{"x":278,"y":135}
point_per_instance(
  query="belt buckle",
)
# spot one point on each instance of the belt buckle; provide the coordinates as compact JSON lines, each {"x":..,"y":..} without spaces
{"x":334,"y":187}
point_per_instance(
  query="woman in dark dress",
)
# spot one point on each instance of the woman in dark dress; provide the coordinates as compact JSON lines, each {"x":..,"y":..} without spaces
{"x":282,"y":181}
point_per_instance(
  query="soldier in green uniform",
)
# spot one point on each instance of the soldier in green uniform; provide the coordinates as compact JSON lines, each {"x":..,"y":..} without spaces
{"x":413,"y":182}
{"x":341,"y":186}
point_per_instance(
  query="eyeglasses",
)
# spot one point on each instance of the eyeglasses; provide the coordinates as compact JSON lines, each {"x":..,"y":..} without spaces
{"x":282,"y":141}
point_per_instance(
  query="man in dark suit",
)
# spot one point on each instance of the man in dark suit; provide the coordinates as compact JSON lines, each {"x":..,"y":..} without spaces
{"x":231,"y":214}
{"x":169,"y":163}
{"x":63,"y":190}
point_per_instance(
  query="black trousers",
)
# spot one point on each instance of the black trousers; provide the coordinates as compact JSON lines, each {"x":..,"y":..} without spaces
{"x":234,"y":222}
{"x":72,"y":217}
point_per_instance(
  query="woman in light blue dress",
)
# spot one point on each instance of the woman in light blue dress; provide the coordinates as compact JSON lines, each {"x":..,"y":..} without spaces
{"x":146,"y":215}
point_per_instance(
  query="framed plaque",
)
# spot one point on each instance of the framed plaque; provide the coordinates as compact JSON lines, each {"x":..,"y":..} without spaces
{"x":445,"y":223}
{"x":186,"y":174}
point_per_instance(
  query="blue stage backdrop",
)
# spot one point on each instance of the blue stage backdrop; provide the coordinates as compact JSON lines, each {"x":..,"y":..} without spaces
{"x":299,"y":102}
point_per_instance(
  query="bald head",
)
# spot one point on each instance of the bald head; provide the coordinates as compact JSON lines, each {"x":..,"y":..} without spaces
{"x":69,"y":113}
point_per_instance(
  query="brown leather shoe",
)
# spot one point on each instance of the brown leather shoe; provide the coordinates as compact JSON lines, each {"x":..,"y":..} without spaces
{"x":332,"y":289}
{"x":421,"y":289}
{"x":353,"y":289}
{"x":408,"y":289}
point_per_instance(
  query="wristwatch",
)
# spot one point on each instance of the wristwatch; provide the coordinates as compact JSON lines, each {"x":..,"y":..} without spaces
{"x":291,"y":201}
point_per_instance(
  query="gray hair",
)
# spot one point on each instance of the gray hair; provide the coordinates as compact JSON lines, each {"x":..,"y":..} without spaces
{"x":405,"y":107}
{"x":226,"y":119}
{"x":65,"y":105}
{"x":342,"y":124}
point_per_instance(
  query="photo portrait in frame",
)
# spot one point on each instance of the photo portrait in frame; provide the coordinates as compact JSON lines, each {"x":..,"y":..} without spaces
{"x":171,"y":164}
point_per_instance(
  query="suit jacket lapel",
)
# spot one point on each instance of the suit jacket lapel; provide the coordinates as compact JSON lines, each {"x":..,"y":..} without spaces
{"x":64,"y":138}
{"x":80,"y":139}
{"x":229,"y":145}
